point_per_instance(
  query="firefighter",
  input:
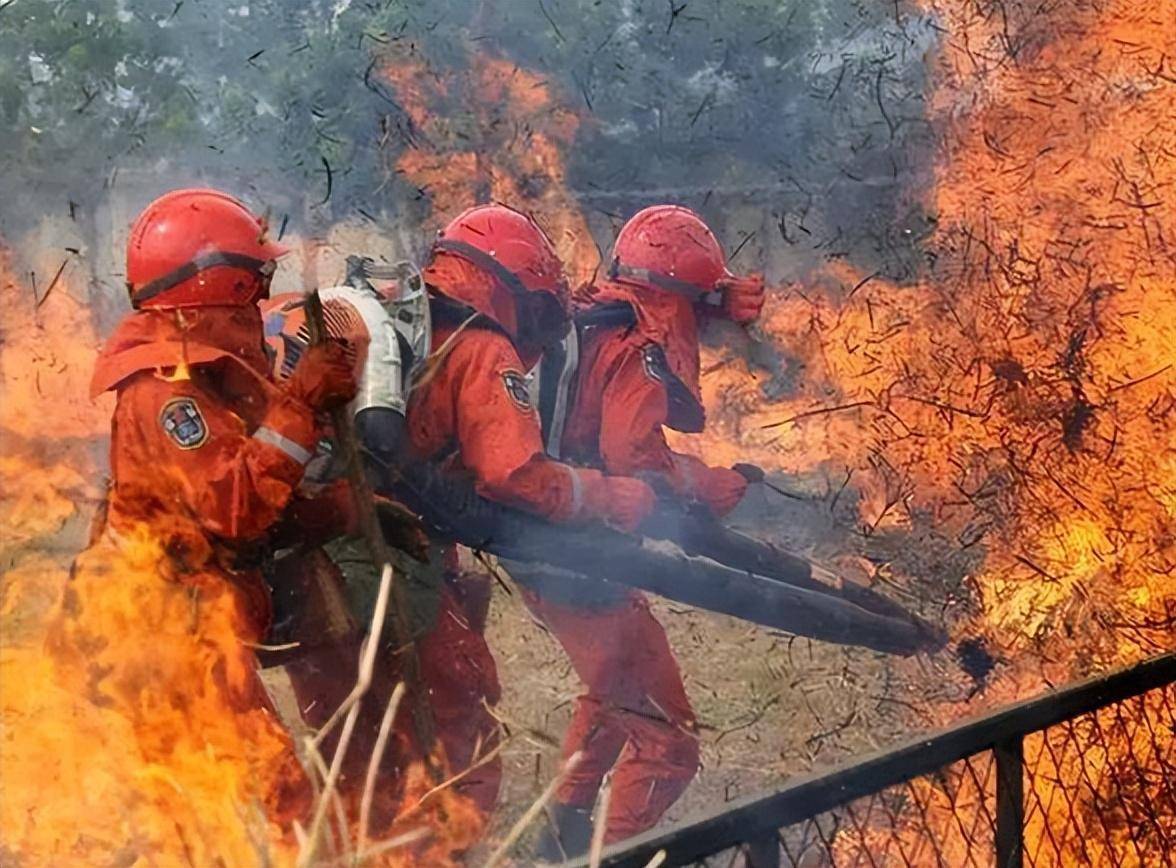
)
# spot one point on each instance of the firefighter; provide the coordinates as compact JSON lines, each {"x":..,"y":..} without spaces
{"x":637,"y":372}
{"x":497,"y":296}
{"x":206,"y":451}
{"x":195,"y":402}
{"x":500,"y":297}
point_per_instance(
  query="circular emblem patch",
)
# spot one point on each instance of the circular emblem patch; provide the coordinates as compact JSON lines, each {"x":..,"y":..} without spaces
{"x":182,"y":422}
{"x":517,"y":389}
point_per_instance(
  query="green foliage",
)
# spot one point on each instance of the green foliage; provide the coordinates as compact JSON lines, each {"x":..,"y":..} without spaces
{"x":818,"y":99}
{"x":259,"y":90}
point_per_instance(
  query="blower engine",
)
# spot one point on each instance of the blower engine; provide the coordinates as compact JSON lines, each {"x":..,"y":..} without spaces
{"x":382,"y":314}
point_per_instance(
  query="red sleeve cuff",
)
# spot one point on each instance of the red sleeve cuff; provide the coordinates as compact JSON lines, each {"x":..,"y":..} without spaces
{"x":290,"y":427}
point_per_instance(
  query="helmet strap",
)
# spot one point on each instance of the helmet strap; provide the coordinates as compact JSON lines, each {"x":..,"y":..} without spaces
{"x":483,"y":260}
{"x":619,"y":271}
{"x":193,"y":267}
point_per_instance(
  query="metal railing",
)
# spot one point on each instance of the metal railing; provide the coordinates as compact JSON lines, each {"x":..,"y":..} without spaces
{"x":1084,"y":775}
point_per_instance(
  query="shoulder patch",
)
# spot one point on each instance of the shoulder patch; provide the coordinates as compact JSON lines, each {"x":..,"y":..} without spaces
{"x":653,"y":359}
{"x":517,"y":390}
{"x":685,"y":413}
{"x":183,"y":423}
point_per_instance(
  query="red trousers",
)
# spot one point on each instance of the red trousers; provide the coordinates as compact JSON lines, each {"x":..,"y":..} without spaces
{"x":459,"y":674}
{"x":634,"y":716}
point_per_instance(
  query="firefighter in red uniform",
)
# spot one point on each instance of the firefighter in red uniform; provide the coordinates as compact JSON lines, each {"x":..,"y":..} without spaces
{"x":196,"y":404}
{"x":497,"y":295}
{"x":500,"y":296}
{"x":206,"y":451}
{"x":633,"y":378}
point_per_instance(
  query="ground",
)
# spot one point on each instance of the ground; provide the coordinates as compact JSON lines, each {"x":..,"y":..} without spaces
{"x":770,"y":705}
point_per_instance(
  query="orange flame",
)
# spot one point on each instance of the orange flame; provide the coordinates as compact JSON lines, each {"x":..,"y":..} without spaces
{"x":135,"y":725}
{"x":126,"y":748}
{"x":512,"y":153}
{"x":455,"y":823}
{"x":1022,"y":392}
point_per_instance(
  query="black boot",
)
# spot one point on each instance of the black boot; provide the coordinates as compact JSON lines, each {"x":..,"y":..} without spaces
{"x":567,"y":835}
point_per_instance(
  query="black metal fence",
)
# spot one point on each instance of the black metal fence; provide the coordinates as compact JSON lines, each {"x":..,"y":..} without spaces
{"x":1085,"y":775}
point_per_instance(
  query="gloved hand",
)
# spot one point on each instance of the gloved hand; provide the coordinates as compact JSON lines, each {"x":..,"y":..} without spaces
{"x":402,"y":528}
{"x":721,"y":490}
{"x":324,"y":377}
{"x":743,"y":298}
{"x":621,"y":501}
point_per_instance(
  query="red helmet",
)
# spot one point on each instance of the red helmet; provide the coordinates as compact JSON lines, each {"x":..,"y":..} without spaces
{"x":510,"y":246}
{"x":670,"y":248}
{"x":198,"y":248}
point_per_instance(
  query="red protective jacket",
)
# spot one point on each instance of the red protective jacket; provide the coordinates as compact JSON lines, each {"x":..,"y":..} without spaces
{"x":205,"y":456}
{"x":204,"y":446}
{"x":472,"y":409}
{"x":622,"y":398}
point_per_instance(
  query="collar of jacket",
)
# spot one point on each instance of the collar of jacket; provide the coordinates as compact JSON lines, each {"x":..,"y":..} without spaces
{"x":663,"y":318}
{"x":176,"y":338}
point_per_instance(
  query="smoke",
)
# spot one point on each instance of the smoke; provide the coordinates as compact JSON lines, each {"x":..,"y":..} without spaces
{"x":796,"y":130}
{"x":802,"y":125}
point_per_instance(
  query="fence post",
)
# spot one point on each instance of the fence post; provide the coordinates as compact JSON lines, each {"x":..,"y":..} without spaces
{"x":1010,"y":802}
{"x":764,"y":852}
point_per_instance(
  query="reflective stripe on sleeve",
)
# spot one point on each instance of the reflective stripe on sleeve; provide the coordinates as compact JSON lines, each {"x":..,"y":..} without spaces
{"x":273,"y":438}
{"x":577,"y":491}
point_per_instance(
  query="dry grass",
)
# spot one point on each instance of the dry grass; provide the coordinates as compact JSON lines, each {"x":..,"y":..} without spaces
{"x":770,"y":706}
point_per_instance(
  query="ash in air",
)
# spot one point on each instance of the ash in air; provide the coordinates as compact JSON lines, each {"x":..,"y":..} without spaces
{"x":486,"y":432}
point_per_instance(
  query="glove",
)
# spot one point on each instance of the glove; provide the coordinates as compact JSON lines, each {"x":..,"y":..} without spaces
{"x":722,"y":489}
{"x":743,"y":298}
{"x":630,"y":501}
{"x":402,"y":528}
{"x":620,"y":501}
{"x":324,"y":377}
